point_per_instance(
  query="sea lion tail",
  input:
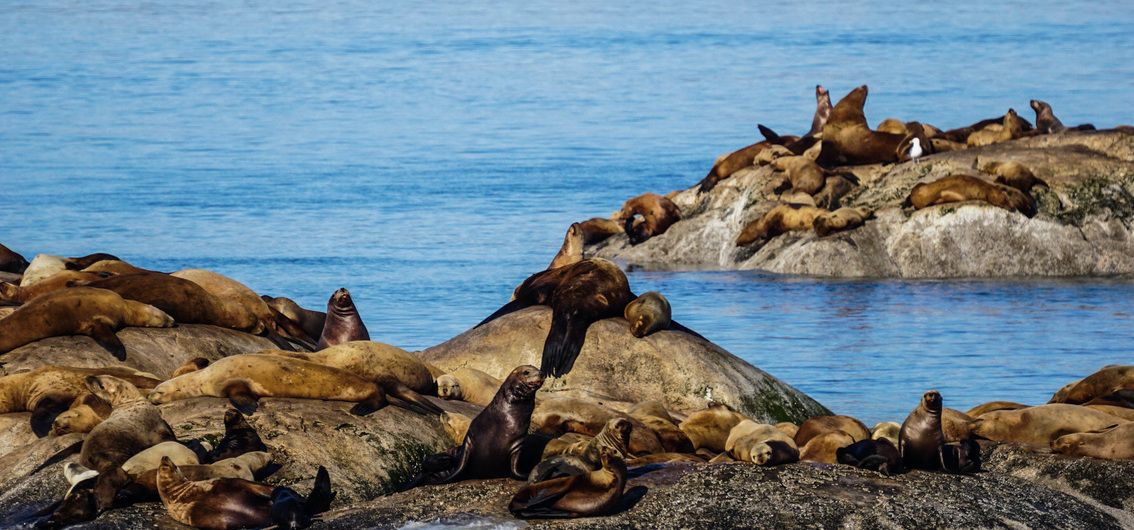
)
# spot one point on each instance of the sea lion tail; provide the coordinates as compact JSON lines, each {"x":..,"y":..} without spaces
{"x":510,"y":307}
{"x":563,"y":344}
{"x":319,"y":500}
{"x":414,"y":401}
{"x":706,"y":185}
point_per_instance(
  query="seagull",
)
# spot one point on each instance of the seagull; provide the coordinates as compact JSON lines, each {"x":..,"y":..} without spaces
{"x":915,"y":150}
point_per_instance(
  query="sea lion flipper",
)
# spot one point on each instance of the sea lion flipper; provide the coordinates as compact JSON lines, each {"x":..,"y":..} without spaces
{"x":240,"y":394}
{"x":319,"y":500}
{"x":414,"y":401}
{"x":563,"y":344}
{"x":510,"y":307}
{"x":536,"y":499}
{"x":376,"y":401}
{"x":101,"y":329}
{"x":45,"y":412}
{"x":769,"y":134}
{"x":676,"y":326}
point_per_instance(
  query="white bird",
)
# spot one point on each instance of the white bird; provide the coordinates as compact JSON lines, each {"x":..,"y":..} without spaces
{"x":915,"y":150}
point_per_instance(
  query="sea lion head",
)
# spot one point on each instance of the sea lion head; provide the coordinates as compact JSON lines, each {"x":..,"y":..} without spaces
{"x":760,"y":453}
{"x":449,"y":388}
{"x":932,"y":402}
{"x":1068,"y":443}
{"x":636,"y":228}
{"x":622,"y":427}
{"x":821,"y":92}
{"x":1038,"y":105}
{"x":522,"y":383}
{"x":341,"y":301}
{"x":150,"y":316}
{"x":82,"y":417}
{"x":112,"y":389}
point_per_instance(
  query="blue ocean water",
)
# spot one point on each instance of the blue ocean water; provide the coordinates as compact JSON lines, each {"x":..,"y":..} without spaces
{"x":430,"y":156}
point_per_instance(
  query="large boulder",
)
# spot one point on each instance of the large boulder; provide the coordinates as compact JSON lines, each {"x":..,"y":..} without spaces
{"x":675,"y":368}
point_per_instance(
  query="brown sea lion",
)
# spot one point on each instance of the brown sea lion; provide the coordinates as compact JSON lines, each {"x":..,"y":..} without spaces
{"x":49,"y":390}
{"x":96,"y":313}
{"x":239,"y":438}
{"x":579,"y":294}
{"x":788,"y":428}
{"x":753,"y":442}
{"x":230,"y":503}
{"x":185,"y":301}
{"x":14,"y":294}
{"x":648,"y":313}
{"x":878,"y":454}
{"x":892,"y":126}
{"x":1040,"y":425}
{"x":821,"y":424}
{"x":1125,"y":413}
{"x":1046,"y":122}
{"x":824,"y":447}
{"x":651,"y":407}
{"x":1014,"y":174}
{"x":115,"y":267}
{"x":1011,"y":128}
{"x":672,"y":438}
{"x":822,"y":110}
{"x":468,"y":384}
{"x":991,"y":406}
{"x":582,"y":457}
{"x":710,"y":428}
{"x":804,"y":174}
{"x":955,"y":425}
{"x":771,"y":154}
{"x":343,"y":323}
{"x":555,"y":415}
{"x":598,"y":229}
{"x":959,"y":188}
{"x":834,"y":189}
{"x":778,"y":220}
{"x":848,"y":139}
{"x":595,"y":493}
{"x":840,"y":220}
{"x":920,"y":438}
{"x":82,"y":262}
{"x":572,"y":249}
{"x":144,"y":486}
{"x":11,"y":261}
{"x":245,"y":378}
{"x":495,"y":438}
{"x":740,"y":159}
{"x":311,"y":321}
{"x":192,"y":365}
{"x":1111,"y":380}
{"x":648,"y":215}
{"x":1112,"y":443}
{"x":243,"y":308}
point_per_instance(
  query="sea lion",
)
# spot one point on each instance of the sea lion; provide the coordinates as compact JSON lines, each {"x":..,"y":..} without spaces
{"x":11,"y":261}
{"x":725,"y":166}
{"x":468,"y":384}
{"x":311,"y":321}
{"x":804,"y":174}
{"x":579,"y":294}
{"x":150,"y":457}
{"x":824,"y":447}
{"x":960,"y":134}
{"x":595,"y":493}
{"x":1011,"y":128}
{"x":572,"y":249}
{"x":955,"y":425}
{"x":229,"y":503}
{"x":115,"y":267}
{"x":42,"y":266}
{"x":892,"y":126}
{"x":49,"y":390}
{"x":96,"y":313}
{"x":840,"y":220}
{"x":1125,"y":413}
{"x":1112,"y":443}
{"x":245,"y":378}
{"x":582,"y":457}
{"x":879,"y":454}
{"x":1014,"y":174}
{"x":778,"y":220}
{"x":239,"y":438}
{"x":192,"y":365}
{"x":1106,"y":382}
{"x":144,"y":486}
{"x":343,"y":323}
{"x":959,"y":188}
{"x":14,"y":294}
{"x":671,"y":437}
{"x":85,"y":413}
{"x":847,"y":139}
{"x":647,"y":215}
{"x":560,"y":444}
{"x":555,"y":415}
{"x":455,"y":425}
{"x":822,"y":111}
{"x":597,"y":229}
{"x":920,"y":438}
{"x":1046,"y":122}
{"x":771,"y":154}
{"x":749,"y":441}
{"x":886,"y":430}
{"x":834,"y":189}
{"x":493,"y":444}
{"x":243,"y":308}
{"x":82,"y":262}
{"x":822,"y":424}
{"x":650,"y":408}
{"x":648,"y":313}
{"x":788,"y":428}
{"x":1039,"y":425}
{"x":185,"y":301}
{"x":710,"y":427}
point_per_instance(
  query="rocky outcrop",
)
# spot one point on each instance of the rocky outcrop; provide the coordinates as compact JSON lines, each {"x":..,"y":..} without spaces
{"x":1083,"y":227}
{"x":676,"y":368}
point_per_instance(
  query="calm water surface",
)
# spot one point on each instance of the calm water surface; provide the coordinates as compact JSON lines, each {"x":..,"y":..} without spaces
{"x":429,"y":157}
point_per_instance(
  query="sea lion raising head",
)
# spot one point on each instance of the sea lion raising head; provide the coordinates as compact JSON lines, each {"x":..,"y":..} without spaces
{"x":343,"y":323}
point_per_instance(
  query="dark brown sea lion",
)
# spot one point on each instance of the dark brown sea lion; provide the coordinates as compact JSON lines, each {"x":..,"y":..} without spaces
{"x":835,"y":187}
{"x":343,"y":323}
{"x":11,"y":261}
{"x":239,"y":438}
{"x":959,"y":188}
{"x":595,"y":493}
{"x":185,"y":301}
{"x":1109,"y":381}
{"x":82,"y":262}
{"x":572,"y":249}
{"x":49,"y":390}
{"x":97,"y":313}
{"x":579,"y":294}
{"x":1014,"y":174}
{"x":1046,"y":122}
{"x":823,"y":424}
{"x":648,"y":313}
{"x":778,"y":220}
{"x":741,"y":159}
{"x":15,"y":294}
{"x":647,"y":215}
{"x":494,"y":442}
{"x":311,"y":321}
{"x":230,"y":503}
{"x":879,"y":455}
{"x":822,"y":110}
{"x":598,"y":229}
{"x":848,"y":139}
{"x":921,"y":438}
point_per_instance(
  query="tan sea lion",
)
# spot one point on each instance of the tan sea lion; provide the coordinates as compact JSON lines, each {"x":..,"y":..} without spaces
{"x":993,"y":406}
{"x":49,"y":390}
{"x":555,"y":415}
{"x":456,"y":425}
{"x":144,"y":486}
{"x":598,"y":229}
{"x":579,"y":294}
{"x":582,"y":457}
{"x":648,"y":313}
{"x":834,"y":189}
{"x":115,"y":267}
{"x":771,"y":154}
{"x":804,"y":174}
{"x":672,"y":438}
{"x":245,"y":378}
{"x":822,"y":424}
{"x":725,"y":166}
{"x":840,"y":220}
{"x":185,"y":301}
{"x":96,"y":313}
{"x":243,"y":308}
{"x":647,"y":215}
{"x":572,"y":249}
{"x":753,"y":442}
{"x":959,"y":188}
{"x":710,"y":428}
{"x":892,"y":126}
{"x":11,"y":261}
{"x":42,"y":266}
{"x":1114,"y":410}
{"x":788,"y":428}
{"x":781,"y":219}
{"x":961,"y":134}
{"x":824,"y":447}
{"x":1040,"y":425}
{"x":1014,"y":174}
{"x":343,"y":323}
{"x":1112,"y":443}
{"x":847,"y":139}
{"x":595,"y":493}
{"x":310,"y":321}
{"x":389,"y":365}
{"x":1046,"y":122}
{"x":150,"y":457}
{"x":955,"y":425}
{"x":468,"y":384}
{"x":85,"y":413}
{"x":886,"y":430}
{"x":650,"y":408}
{"x":1108,"y":381}
{"x":14,"y":294}
{"x":1011,"y":128}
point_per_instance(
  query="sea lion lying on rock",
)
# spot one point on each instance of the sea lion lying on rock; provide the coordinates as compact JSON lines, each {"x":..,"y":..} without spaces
{"x":1112,"y":443}
{"x":741,"y":158}
{"x":647,"y":215}
{"x":760,"y":444}
{"x":823,"y":424}
{"x":1040,"y":425}
{"x":1014,"y":174}
{"x":582,"y":457}
{"x":14,"y":294}
{"x":50,"y":390}
{"x":648,"y":313}
{"x":11,"y":261}
{"x":710,"y":428}
{"x":781,"y":219}
{"x":468,"y":384}
{"x":840,"y":220}
{"x":555,"y":415}
{"x":597,"y":492}
{"x":597,"y":229}
{"x":1011,"y":128}
{"x":1109,"y":381}
{"x":959,"y":188}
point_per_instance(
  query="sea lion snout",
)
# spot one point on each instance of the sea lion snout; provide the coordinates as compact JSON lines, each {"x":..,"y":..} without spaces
{"x":932,"y":400}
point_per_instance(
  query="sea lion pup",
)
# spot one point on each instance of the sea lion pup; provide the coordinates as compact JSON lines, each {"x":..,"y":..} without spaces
{"x":823,"y":424}
{"x":922,"y":442}
{"x":804,"y":174}
{"x":822,"y":111}
{"x":579,"y":294}
{"x":778,"y":220}
{"x":185,"y":301}
{"x":725,"y":166}
{"x":239,"y":438}
{"x":710,"y":427}
{"x":495,"y":439}
{"x":49,"y":390}
{"x":310,"y":321}
{"x":96,"y":313}
{"x":824,"y":447}
{"x":11,"y":261}
{"x":847,"y":138}
{"x":455,"y":425}
{"x":1039,"y":425}
{"x":246,"y":378}
{"x":229,"y":503}
{"x":648,"y":313}
{"x":648,"y":215}
{"x":1112,"y":443}
{"x":572,"y":249}
{"x":85,"y":413}
{"x":1014,"y":174}
{"x":879,"y":455}
{"x":1011,"y":129}
{"x":14,"y":294}
{"x":598,"y":229}
{"x":834,"y":189}
{"x":468,"y":384}
{"x":595,"y":493}
{"x":886,"y":430}
{"x":959,"y":188}
{"x":150,"y":457}
{"x":556,"y":415}
{"x":1046,"y":122}
{"x":840,"y":220}
{"x":343,"y":323}
{"x":1113,"y":379}
{"x":582,"y":457}
{"x":760,"y":444}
